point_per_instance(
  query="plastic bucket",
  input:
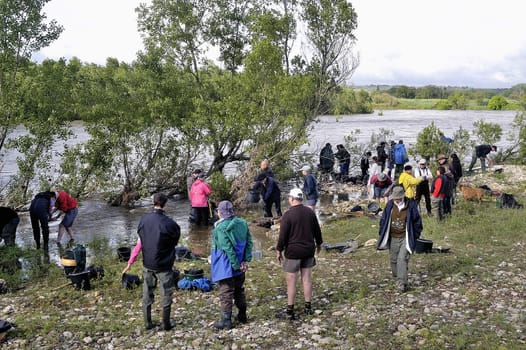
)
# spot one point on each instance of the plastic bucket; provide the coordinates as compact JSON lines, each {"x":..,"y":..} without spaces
{"x":424,"y":246}
{"x":124,"y":253}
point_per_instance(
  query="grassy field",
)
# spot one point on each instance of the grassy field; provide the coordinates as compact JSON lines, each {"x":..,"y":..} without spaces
{"x":471,"y":297}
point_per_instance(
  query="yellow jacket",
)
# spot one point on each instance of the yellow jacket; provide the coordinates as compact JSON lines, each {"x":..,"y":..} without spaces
{"x":409,"y":182}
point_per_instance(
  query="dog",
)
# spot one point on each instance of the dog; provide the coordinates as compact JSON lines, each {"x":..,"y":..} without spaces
{"x":471,"y":193}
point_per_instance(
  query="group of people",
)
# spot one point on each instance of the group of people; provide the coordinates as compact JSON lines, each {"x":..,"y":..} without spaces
{"x":328,"y":159}
{"x":41,"y":211}
{"x":231,"y":252}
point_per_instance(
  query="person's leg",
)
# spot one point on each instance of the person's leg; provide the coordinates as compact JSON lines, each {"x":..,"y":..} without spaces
{"x":148,"y":287}
{"x":427,"y":198}
{"x":68,"y":220}
{"x":268,"y":209}
{"x":35,"y":224}
{"x":9,"y":232}
{"x":394,"y":249}
{"x":240,"y":298}
{"x":291,"y":279}
{"x":483,"y":164}
{"x":473,"y":161}
{"x":226,"y":295}
{"x":306,"y":279}
{"x":402,"y":266}
{"x":277,"y":204}
{"x":166,"y":281}
{"x":435,"y":208}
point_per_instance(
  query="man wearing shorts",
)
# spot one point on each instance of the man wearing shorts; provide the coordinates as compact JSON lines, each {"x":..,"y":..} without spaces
{"x":68,"y":205}
{"x":300,"y":238}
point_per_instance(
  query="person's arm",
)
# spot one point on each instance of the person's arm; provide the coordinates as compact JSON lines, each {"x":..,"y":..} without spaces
{"x":227,"y":242}
{"x":282,"y":239}
{"x":133,"y":256}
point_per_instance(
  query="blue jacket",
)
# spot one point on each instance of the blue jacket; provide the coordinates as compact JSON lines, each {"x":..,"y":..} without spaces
{"x":159,"y":235}
{"x":413,"y":226}
{"x":400,"y":154}
{"x":271,"y":190}
{"x":231,"y":245}
{"x":310,"y":187}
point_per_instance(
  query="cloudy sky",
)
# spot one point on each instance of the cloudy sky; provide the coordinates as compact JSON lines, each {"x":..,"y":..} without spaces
{"x":476,"y":43}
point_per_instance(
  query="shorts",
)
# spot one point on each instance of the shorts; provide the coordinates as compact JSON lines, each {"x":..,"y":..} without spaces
{"x":294,"y":265}
{"x":69,"y":217}
{"x":311,"y":202}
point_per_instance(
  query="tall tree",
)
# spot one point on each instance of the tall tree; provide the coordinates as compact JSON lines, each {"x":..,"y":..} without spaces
{"x":330,"y":27}
{"x":22,"y":31}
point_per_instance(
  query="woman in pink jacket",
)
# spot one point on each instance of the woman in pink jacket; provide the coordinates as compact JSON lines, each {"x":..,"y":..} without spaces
{"x":199,"y":193}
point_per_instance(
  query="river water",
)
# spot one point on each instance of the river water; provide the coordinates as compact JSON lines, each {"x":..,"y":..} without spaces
{"x":96,"y":219}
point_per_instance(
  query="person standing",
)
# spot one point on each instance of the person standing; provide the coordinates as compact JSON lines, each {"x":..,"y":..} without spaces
{"x":481,"y":152}
{"x":327,"y":159}
{"x":364,"y":167}
{"x":299,"y":240}
{"x":69,"y":206}
{"x":422,"y":189}
{"x":409,"y":182}
{"x":400,"y":227}
{"x":439,"y":190}
{"x":310,"y":187}
{"x":158,"y":237}
{"x":199,"y":193}
{"x":270,"y":192}
{"x":231,"y":253}
{"x":448,"y":198}
{"x":9,"y":221}
{"x":344,"y":160}
{"x":381,"y":155}
{"x":456,"y":170}
{"x":40,"y":213}
{"x":400,"y":158}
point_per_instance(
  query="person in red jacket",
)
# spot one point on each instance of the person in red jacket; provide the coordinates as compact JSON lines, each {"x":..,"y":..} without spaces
{"x":438,"y":192}
{"x":69,"y":206}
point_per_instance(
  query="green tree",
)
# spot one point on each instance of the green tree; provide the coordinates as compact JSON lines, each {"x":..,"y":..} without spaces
{"x":497,"y":103}
{"x":22,"y":32}
{"x":457,"y":101}
{"x":429,"y":142}
{"x":487,"y":133}
{"x":330,"y":27}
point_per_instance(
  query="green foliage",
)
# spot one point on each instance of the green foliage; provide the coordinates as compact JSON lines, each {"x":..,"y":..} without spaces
{"x":24,"y":31}
{"x":463,"y":145}
{"x":404,"y":91}
{"x":457,"y":101}
{"x":497,"y":103}
{"x":487,"y":133}
{"x":349,"y":101}
{"x":220,"y":187}
{"x":429,"y":143}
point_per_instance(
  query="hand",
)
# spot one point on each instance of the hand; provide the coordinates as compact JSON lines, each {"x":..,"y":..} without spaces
{"x":279,"y":257}
{"x":126,"y":269}
{"x":318,"y":249}
{"x":244,"y":266}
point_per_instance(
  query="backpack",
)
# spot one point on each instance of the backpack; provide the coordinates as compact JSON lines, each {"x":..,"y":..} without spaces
{"x":400,"y":154}
{"x":506,"y":200}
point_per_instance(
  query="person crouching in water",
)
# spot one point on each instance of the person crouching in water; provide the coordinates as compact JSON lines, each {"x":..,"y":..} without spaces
{"x":230,"y":255}
{"x":400,"y":227}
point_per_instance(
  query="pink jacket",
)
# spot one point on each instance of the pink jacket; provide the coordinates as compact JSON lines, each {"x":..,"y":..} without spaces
{"x":199,"y":193}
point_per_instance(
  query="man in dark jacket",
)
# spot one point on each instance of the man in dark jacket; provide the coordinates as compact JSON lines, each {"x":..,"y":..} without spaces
{"x":40,"y":213}
{"x":9,"y":221}
{"x":158,"y":236}
{"x":480,"y":152}
{"x":327,"y":159}
{"x":270,"y":192}
{"x":400,"y":227}
{"x":300,"y":238}
{"x":344,"y":159}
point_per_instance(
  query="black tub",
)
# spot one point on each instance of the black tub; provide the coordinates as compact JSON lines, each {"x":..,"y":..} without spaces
{"x":124,"y":253}
{"x":424,"y":246}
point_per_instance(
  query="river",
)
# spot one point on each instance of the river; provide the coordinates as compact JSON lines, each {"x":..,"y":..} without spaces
{"x":97,"y":219}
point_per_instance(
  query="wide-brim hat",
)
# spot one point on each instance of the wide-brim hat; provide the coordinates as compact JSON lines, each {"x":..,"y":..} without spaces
{"x":397,"y":193}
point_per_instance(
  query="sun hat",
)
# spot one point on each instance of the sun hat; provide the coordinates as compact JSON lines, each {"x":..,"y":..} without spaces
{"x":226,"y":209}
{"x":305,"y":168}
{"x":382,"y":177}
{"x":422,"y":161}
{"x":441,"y":156}
{"x":296,"y":194}
{"x":398,"y":193}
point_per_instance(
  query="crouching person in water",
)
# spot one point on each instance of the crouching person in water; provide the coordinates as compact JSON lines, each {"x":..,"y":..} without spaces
{"x":231,"y":253}
{"x":158,"y":236}
{"x":400,"y":227}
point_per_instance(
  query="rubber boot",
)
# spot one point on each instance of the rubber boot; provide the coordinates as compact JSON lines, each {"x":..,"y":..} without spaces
{"x":147,"y":313}
{"x":167,"y":323}
{"x":226,"y":321}
{"x":242,"y":315}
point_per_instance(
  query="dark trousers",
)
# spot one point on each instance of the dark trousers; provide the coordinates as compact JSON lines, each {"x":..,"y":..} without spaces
{"x":8,"y":233}
{"x":422,"y":190}
{"x":268,"y":207}
{"x":39,"y":214}
{"x":166,"y":283}
{"x":201,"y":215}
{"x":446,"y":204}
{"x":232,"y":291}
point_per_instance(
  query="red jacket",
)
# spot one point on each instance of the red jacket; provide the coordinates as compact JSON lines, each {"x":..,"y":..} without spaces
{"x":65,"y":202}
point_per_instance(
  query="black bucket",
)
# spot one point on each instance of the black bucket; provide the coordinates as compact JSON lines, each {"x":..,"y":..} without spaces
{"x":124,"y":253}
{"x":424,"y":246}
{"x":130,"y":281}
{"x":253,"y":196}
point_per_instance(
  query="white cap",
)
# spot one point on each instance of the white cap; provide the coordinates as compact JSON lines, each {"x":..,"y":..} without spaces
{"x":296,"y":194}
{"x":305,"y":168}
{"x":422,"y":161}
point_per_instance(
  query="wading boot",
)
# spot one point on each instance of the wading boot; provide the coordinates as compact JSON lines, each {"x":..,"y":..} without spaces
{"x":167,"y":323}
{"x":242,"y":315}
{"x":147,"y":313}
{"x":226,"y":321}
